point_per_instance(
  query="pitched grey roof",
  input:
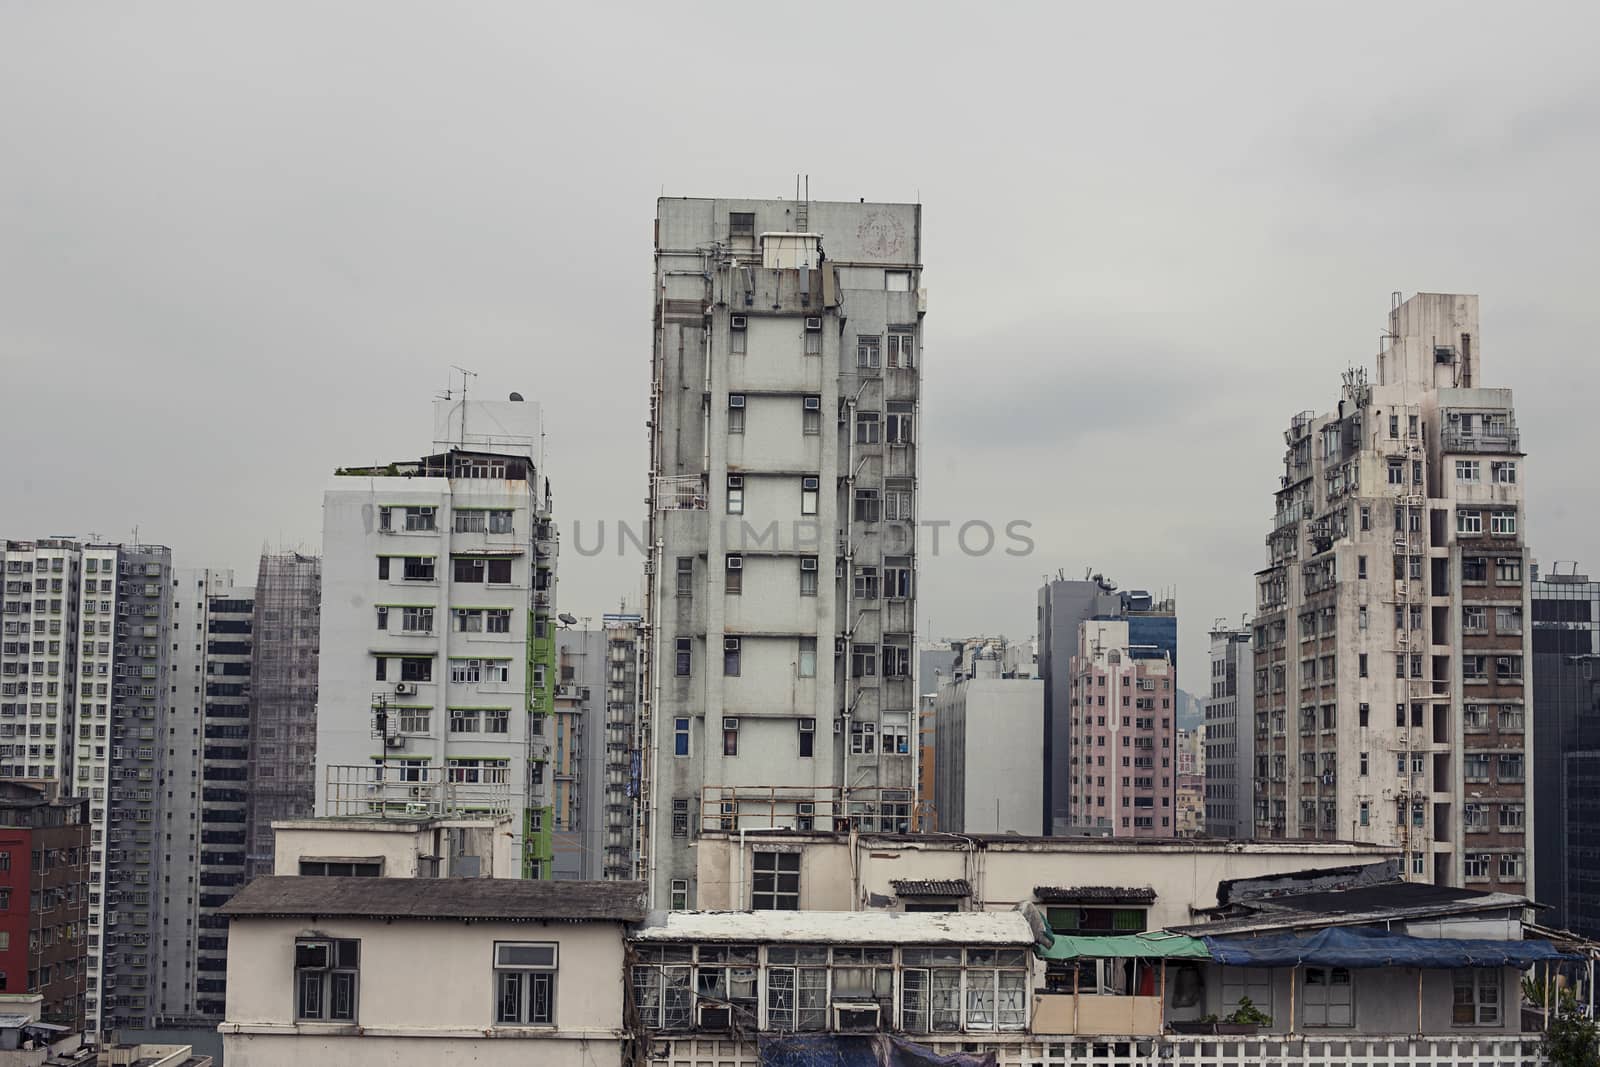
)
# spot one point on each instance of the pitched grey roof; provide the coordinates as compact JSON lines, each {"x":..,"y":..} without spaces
{"x":1094,"y":894}
{"x":508,"y":899}
{"x":931,"y":887}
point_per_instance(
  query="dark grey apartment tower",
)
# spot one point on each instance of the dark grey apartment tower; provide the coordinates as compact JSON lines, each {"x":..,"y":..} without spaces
{"x":1566,"y":748}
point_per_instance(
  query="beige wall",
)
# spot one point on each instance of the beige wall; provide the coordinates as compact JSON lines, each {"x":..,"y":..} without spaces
{"x":398,"y":843}
{"x":427,"y":984}
{"x":1005,"y":874}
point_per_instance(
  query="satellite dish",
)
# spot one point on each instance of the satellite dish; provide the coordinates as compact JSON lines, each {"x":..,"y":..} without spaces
{"x":515,"y":398}
{"x":570,"y":620}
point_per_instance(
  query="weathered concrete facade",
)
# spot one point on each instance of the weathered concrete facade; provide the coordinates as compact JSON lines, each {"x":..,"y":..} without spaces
{"x":1230,"y":737}
{"x":781,"y":588}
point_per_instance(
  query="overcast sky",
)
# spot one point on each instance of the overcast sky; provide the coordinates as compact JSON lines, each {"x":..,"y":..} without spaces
{"x":242,"y":244}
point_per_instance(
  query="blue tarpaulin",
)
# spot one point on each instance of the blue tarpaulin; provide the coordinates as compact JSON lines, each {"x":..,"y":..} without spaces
{"x":859,"y":1050}
{"x":1364,"y":947}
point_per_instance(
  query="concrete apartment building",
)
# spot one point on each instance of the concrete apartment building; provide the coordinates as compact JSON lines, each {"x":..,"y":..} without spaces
{"x":985,"y":782}
{"x":1121,"y":741}
{"x":1566,"y":747}
{"x":1390,"y":645}
{"x":783,"y":483}
{"x":1230,"y":736}
{"x":437,"y":654}
{"x":44,"y":898}
{"x":1064,"y":606}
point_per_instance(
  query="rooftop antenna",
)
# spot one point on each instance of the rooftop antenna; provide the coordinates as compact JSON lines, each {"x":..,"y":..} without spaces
{"x":465,"y":375}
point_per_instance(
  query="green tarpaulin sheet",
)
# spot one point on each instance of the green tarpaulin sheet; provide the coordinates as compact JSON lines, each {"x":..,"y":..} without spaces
{"x":1128,"y":946}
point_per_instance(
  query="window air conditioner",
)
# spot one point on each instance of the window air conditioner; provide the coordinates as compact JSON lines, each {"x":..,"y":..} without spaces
{"x":736,"y":400}
{"x":737,"y":322}
{"x":813,"y":403}
{"x":808,"y":726}
{"x":736,"y":563}
{"x":809,"y":483}
{"x":730,"y":644}
{"x":735,"y":481}
{"x":405,"y":689}
{"x":1503,"y":662}
{"x":855,"y":1016}
{"x":730,"y":723}
{"x":806,"y":808}
{"x":813,"y":322}
{"x":709,"y":1016}
{"x":809,"y":563}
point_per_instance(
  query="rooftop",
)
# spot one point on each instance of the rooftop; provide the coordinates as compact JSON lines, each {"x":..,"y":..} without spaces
{"x":508,"y":899}
{"x":1095,"y":894}
{"x":1356,"y":905}
{"x":1068,"y":845}
{"x":932,"y":887}
{"x":841,"y":927}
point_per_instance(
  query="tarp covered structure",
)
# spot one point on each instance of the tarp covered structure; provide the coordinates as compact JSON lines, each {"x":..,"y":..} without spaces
{"x":1127,"y":946}
{"x":860,"y":1050}
{"x":1367,"y":947}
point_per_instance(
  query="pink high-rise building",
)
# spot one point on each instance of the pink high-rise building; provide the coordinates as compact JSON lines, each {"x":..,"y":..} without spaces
{"x":1123,"y":768}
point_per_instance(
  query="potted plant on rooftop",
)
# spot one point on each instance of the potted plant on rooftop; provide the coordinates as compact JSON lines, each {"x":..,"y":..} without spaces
{"x":1245,"y":1019}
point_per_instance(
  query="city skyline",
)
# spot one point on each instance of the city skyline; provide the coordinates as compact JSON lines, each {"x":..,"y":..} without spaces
{"x":1178,"y":304}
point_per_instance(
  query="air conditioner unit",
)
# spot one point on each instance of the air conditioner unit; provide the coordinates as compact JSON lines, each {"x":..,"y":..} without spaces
{"x":729,"y":722}
{"x":405,"y":689}
{"x":738,"y":322}
{"x":730,"y":644}
{"x":809,"y":483}
{"x":813,"y":403}
{"x":855,"y":1016}
{"x":709,"y":1016}
{"x":806,"y":808}
{"x":735,"y":481}
{"x":736,"y":563}
{"x":736,"y":400}
{"x":808,"y":726}
{"x":394,"y":741}
{"x":813,"y":322}
{"x":808,"y":563}
{"x":313,"y":955}
{"x":1503,"y":662}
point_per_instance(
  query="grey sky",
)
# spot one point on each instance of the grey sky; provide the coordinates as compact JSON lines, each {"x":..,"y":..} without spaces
{"x":241,"y":244}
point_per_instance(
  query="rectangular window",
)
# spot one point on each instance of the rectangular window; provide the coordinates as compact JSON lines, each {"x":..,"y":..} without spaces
{"x":869,"y":353}
{"x":741,"y":224}
{"x":1475,"y":766}
{"x":1397,"y":472}
{"x":1477,"y":996}
{"x":1476,"y":866}
{"x":680,"y":737}
{"x":1511,"y":767}
{"x":808,"y":576}
{"x":867,"y":427}
{"x":1474,"y":569}
{"x":468,"y":620}
{"x":738,"y":335}
{"x":811,"y":416}
{"x":419,"y":519}
{"x":1504,"y":473}
{"x":685,"y":656}
{"x":1503,"y":523}
{"x":417,"y":620}
{"x":1474,"y":618}
{"x":730,"y":739}
{"x":863,"y":661}
{"x":1508,"y":620}
{"x":326,"y":978}
{"x":416,"y":669}
{"x":733,"y":576}
{"x":497,"y":620}
{"x":808,"y":495}
{"x":417,"y":569}
{"x":686,"y":576}
{"x":1469,"y":522}
{"x":473,"y":521}
{"x":775,"y":881}
{"x":808,"y":738}
{"x":1466,"y":470}
{"x":900,"y":350}
{"x":806,"y":661}
{"x":1328,"y":1000}
{"x":1508,"y":668}
{"x":383,"y":616}
{"x":866,"y":583}
{"x":470,"y":570}
{"x":525,"y":983}
{"x":868,"y":505}
{"x":735,"y":494}
{"x":897,"y":281}
{"x":466,"y":721}
{"x":1508,"y":569}
{"x":680,"y":895}
{"x":1512,"y":817}
{"x":736,"y":413}
{"x":415,"y":720}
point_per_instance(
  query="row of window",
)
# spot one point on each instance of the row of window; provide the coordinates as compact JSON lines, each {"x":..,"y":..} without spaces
{"x":864,"y":659}
{"x":470,"y":671}
{"x":418,"y":619}
{"x":868,"y":506}
{"x":871,"y":427}
{"x":1469,"y":523}
{"x":328,"y":981}
{"x":425,"y":519}
{"x":465,"y":569}
{"x":1471,"y":470}
{"x":865,"y":736}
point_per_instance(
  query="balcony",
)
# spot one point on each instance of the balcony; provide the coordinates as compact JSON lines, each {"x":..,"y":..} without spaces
{"x":684,"y":493}
{"x":403,"y":789}
{"x":1509,"y":443}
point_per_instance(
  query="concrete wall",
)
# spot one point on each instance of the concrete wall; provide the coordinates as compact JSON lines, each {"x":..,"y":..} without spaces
{"x":448,"y":1017}
{"x":990,"y":772}
{"x":400,"y":845}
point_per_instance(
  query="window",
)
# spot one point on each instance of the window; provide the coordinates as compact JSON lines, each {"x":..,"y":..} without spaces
{"x":1474,"y":717}
{"x":525,"y":983}
{"x":1366,"y":517}
{"x":775,"y":881}
{"x":733,"y":575}
{"x":686,"y":576}
{"x":1476,"y":866}
{"x":1475,"y":766}
{"x":808,"y":576}
{"x":417,"y":620}
{"x":1394,"y":426}
{"x":498,"y":620}
{"x":1508,"y":569}
{"x":814,"y":335}
{"x":730,"y":656}
{"x":1508,"y":668}
{"x":811,"y":415}
{"x":1477,"y":996}
{"x":1474,"y":569}
{"x":477,"y":671}
{"x":326,"y":976}
{"x":863,"y":661}
{"x":1327,"y":997}
{"x":808,"y":496}
{"x":868,"y":505}
{"x":680,"y":817}
{"x":418,"y":519}
{"x":1511,"y":767}
{"x":417,"y":569}
{"x":1504,"y":473}
{"x":415,"y":720}
{"x":1466,"y":470}
{"x":735,"y":494}
{"x":1361,"y":663}
{"x":383,"y":616}
{"x":866,"y":584}
{"x":680,"y":737}
{"x":1397,"y":472}
{"x":685,"y":653}
{"x":808,"y":740}
{"x":1508,"y":620}
{"x":736,"y":413}
{"x":730,"y":737}
{"x":1512,"y":817}
{"x":1475,"y":668}
{"x":806,"y":662}
{"x":1503,"y":523}
{"x":897,"y":281}
{"x":680,"y":894}
{"x":900,"y":349}
{"x":466,"y":721}
{"x":869,"y":355}
{"x":1474,"y":618}
{"x":341,"y":869}
{"x":468,"y":620}
{"x":741,"y":224}
{"x":867,"y":427}
{"x":738,"y":335}
{"x":1365,"y":811}
{"x":1361,"y":566}
{"x":1469,"y":522}
{"x":415,"y":669}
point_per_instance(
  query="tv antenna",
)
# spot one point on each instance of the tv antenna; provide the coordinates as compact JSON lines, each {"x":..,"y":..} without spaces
{"x":466,"y":375}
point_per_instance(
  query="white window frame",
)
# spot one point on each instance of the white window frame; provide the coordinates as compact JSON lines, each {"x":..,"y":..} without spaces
{"x":517,"y":985}
{"x":1325,"y":1009}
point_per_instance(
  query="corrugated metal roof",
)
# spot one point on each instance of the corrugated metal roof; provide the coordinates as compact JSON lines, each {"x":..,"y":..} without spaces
{"x":847,"y":927}
{"x":513,"y":899}
{"x":931,"y":887}
{"x":1095,"y":894}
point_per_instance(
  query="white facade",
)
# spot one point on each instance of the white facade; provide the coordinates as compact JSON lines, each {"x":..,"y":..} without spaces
{"x":989,"y":773}
{"x":781,"y":598}
{"x":1230,"y":737}
{"x":438,"y":585}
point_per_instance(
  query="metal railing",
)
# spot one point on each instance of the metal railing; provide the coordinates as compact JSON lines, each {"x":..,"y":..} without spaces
{"x":1456,"y":441}
{"x":870,"y":810}
{"x":407,"y":789}
{"x":681,"y":493}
